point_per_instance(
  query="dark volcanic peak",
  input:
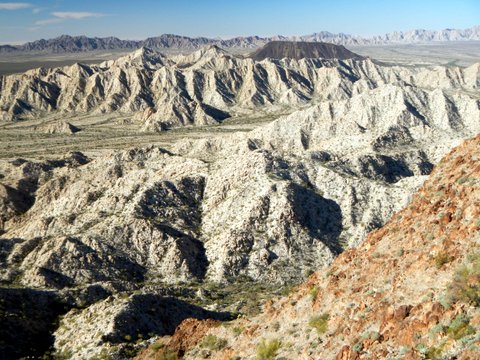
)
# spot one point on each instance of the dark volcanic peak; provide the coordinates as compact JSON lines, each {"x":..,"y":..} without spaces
{"x":301,"y":50}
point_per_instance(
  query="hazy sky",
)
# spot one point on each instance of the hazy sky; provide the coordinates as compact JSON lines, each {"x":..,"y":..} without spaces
{"x":31,"y":20}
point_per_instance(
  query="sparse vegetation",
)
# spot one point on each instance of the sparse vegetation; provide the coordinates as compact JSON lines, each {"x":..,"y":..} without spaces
{"x":267,"y":350}
{"x":465,"y":286}
{"x":358,"y":347}
{"x":62,"y":355}
{"x":460,"y":327}
{"x":441,"y":259}
{"x":434,"y":353}
{"x":313,"y":293}
{"x":320,"y":323}
{"x":238,"y":330}
{"x":213,"y":343}
{"x":157,"y":346}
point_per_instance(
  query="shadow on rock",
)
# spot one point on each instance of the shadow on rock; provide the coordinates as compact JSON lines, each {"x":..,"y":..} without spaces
{"x":27,"y":319}
{"x":150,"y":314}
{"x":320,"y":216}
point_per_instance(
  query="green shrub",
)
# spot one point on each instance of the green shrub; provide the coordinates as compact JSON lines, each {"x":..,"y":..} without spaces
{"x":441,"y":259}
{"x":157,"y":346}
{"x":434,"y":353}
{"x":465,"y":286}
{"x":422,"y":348}
{"x":320,"y":323}
{"x":313,"y":293}
{"x":211,"y":342}
{"x":358,"y":347}
{"x":237,"y":330}
{"x":267,"y":350}
{"x":436,"y":329}
{"x":460,"y":327}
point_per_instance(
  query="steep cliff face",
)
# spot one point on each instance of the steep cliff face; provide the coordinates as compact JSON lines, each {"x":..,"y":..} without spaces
{"x":411,"y":290}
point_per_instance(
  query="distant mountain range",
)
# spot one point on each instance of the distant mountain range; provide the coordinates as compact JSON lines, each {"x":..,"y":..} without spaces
{"x":68,"y":44}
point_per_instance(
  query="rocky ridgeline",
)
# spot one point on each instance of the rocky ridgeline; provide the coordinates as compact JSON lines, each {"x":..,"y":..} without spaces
{"x":106,"y":234}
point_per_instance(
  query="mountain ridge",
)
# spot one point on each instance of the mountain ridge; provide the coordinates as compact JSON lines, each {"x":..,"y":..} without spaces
{"x":205,"y":87}
{"x":67,"y":43}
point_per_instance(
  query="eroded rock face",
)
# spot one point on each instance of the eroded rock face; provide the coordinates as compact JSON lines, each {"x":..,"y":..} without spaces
{"x":116,"y":320}
{"x":114,"y":220}
{"x":20,"y":179}
{"x":410,"y":290}
{"x":204,"y":87}
{"x":272,"y":204}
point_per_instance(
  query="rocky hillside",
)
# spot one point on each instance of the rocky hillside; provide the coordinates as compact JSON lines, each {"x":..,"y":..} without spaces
{"x":268,"y":206}
{"x":113,"y":240}
{"x":411,"y":290}
{"x":301,"y":50}
{"x":72,"y":44}
{"x":208,"y":86}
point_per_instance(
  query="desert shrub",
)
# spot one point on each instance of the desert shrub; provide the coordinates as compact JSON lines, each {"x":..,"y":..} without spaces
{"x":465,"y":286}
{"x":460,"y":327}
{"x":212,"y":342}
{"x":267,"y":350}
{"x":320,"y":323}
{"x":421,"y":348}
{"x":157,"y":346}
{"x":441,"y":259}
{"x":434,"y":353}
{"x":358,"y":347}
{"x":238,"y":330}
{"x":313,"y":293}
{"x":62,"y":355}
{"x":436,"y":329}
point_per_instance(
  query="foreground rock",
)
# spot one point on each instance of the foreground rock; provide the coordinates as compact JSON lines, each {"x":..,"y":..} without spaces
{"x":411,"y":290}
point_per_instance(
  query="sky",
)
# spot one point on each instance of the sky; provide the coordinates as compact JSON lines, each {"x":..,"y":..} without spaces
{"x":32,"y":20}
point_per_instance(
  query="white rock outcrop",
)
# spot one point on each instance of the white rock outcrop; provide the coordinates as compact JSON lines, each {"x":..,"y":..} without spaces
{"x":204,"y":87}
